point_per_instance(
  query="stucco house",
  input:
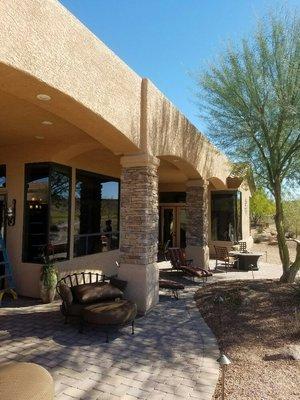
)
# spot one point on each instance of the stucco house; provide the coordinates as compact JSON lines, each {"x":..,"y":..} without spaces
{"x":99,"y":162}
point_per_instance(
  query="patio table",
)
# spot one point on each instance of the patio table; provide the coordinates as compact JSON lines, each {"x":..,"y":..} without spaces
{"x":247,"y":260}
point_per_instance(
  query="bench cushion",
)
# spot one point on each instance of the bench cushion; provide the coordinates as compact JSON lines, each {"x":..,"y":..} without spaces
{"x":92,"y":292}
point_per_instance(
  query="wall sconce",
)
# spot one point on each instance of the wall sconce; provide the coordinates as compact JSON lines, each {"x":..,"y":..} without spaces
{"x":11,"y":213}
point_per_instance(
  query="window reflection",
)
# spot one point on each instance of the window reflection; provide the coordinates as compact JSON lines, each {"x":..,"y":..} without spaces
{"x":2,"y":176}
{"x":96,"y":214}
{"x":59,"y":212}
{"x":47,"y":194}
{"x":226,"y":216}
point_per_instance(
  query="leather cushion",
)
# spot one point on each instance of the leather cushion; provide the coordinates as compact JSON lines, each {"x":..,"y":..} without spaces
{"x":65,"y":293}
{"x":92,"y":292}
{"x":110,"y":313}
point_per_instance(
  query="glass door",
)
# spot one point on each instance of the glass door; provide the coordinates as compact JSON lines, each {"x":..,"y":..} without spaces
{"x":182,"y":225}
{"x":168,"y":226}
{"x":172,"y":226}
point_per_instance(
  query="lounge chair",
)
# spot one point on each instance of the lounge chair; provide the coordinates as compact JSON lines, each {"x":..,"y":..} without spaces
{"x":181,"y":263}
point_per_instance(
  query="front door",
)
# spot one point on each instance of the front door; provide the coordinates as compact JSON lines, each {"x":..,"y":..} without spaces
{"x":172,"y":226}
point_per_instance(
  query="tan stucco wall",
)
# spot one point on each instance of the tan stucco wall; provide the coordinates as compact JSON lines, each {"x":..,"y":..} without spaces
{"x":169,"y":133}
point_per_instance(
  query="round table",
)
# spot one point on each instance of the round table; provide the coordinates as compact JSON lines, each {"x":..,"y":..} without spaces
{"x":247,"y":261}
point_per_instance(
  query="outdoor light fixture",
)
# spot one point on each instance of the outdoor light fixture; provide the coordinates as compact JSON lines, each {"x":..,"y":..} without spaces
{"x":43,"y":97}
{"x":11,"y":213}
{"x":223,"y":361}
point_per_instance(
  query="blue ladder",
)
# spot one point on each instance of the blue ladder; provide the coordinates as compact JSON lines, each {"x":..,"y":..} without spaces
{"x":8,"y":277}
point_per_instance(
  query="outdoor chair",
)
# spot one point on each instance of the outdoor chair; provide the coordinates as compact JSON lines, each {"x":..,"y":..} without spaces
{"x":222,"y":255}
{"x":179,"y":262}
{"x":95,"y":299}
{"x":243,"y":247}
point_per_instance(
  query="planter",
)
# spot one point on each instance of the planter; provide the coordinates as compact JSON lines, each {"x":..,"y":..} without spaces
{"x":47,"y":294}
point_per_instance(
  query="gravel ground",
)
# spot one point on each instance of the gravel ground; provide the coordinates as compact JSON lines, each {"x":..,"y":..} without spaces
{"x":255,"y":327}
{"x":273,"y":252}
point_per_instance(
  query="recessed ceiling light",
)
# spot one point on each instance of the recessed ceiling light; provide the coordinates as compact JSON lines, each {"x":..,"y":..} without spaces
{"x":47,"y":122}
{"x":43,"y":97}
{"x":39,"y":137}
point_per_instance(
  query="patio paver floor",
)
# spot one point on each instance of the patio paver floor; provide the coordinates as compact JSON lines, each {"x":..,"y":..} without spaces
{"x":171,"y":356}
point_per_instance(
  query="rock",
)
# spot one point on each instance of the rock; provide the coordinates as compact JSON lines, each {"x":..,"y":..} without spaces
{"x":293,"y":351}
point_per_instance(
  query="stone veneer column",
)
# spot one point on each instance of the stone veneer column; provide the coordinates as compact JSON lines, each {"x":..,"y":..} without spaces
{"x":197,"y":222}
{"x":139,"y":229}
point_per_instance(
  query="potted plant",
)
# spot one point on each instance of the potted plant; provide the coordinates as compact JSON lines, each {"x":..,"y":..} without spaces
{"x":48,"y":279}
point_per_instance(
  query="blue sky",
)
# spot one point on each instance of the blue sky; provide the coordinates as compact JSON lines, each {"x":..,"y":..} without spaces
{"x":166,"y":40}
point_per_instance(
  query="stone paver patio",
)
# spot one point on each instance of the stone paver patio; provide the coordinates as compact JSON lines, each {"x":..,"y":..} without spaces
{"x":171,"y":356}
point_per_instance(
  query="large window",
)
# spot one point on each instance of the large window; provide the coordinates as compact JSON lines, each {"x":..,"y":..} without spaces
{"x":96,"y":227}
{"x":226,"y":224}
{"x":47,"y":209}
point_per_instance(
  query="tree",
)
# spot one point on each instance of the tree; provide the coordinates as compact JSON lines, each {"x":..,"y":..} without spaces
{"x":261,"y":207}
{"x":251,"y":98}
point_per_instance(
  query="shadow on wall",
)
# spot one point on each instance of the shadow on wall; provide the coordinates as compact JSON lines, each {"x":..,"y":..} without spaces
{"x":170,"y":133}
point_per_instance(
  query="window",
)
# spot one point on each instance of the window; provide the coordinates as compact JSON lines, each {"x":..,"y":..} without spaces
{"x":226,"y":223}
{"x":96,"y":227}
{"x":47,"y":209}
{"x":2,"y":176}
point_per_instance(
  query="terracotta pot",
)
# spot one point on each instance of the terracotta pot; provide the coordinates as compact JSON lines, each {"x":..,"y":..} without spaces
{"x":47,"y":294}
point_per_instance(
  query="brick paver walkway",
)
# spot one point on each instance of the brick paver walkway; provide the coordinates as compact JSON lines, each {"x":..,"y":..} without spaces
{"x":171,"y":356}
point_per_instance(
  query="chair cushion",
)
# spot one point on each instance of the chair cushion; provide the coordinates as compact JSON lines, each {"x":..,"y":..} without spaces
{"x":92,"y":292}
{"x":110,"y":313}
{"x":25,"y":381}
{"x":65,"y":293}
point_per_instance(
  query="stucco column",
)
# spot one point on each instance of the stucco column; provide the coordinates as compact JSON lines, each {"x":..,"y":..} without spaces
{"x":139,"y":229}
{"x":197,"y":222}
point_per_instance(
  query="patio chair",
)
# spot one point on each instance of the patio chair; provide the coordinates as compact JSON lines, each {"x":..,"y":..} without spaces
{"x":243,"y":247}
{"x":179,"y":262}
{"x":223,"y":256}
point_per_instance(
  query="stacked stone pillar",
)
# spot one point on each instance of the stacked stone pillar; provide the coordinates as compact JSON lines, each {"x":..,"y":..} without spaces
{"x":197,"y":222}
{"x":139,"y":229}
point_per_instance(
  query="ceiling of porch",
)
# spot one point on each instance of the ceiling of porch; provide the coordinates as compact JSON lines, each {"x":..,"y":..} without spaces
{"x":23,"y":122}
